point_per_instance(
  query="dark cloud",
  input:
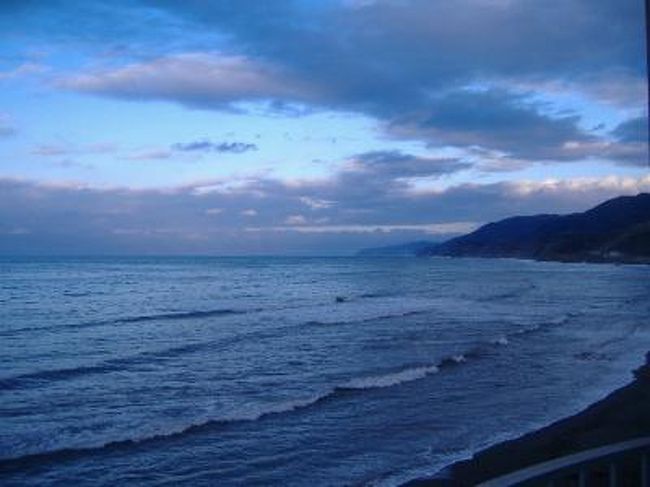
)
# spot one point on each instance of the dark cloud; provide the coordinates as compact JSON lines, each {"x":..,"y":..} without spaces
{"x":389,"y":55}
{"x":432,"y":40}
{"x":401,"y":62}
{"x":498,"y":120}
{"x":633,"y":130}
{"x":209,"y":146}
{"x":629,"y":145}
{"x":395,"y":165}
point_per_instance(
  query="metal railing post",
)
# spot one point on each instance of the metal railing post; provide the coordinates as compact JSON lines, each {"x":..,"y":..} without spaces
{"x":613,"y":475}
{"x":582,"y":477}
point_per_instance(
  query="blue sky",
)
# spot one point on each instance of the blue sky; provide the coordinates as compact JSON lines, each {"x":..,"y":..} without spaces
{"x":236,"y":127}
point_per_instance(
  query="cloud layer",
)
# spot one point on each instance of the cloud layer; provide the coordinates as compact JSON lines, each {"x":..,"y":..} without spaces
{"x":414,"y":65}
{"x":270,"y":216}
{"x":465,"y":89}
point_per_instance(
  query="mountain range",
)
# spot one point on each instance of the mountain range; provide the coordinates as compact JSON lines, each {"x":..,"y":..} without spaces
{"x":617,"y":230}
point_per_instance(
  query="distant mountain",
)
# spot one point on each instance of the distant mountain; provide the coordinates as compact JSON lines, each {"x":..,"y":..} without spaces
{"x":617,"y":230}
{"x":410,"y":249}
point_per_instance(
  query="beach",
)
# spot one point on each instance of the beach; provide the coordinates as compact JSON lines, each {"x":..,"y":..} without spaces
{"x":622,"y":415}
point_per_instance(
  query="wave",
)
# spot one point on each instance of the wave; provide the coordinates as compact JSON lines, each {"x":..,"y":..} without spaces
{"x":377,"y":295}
{"x":389,"y":380}
{"x":77,"y":294}
{"x":222,"y":312}
{"x":385,"y":316}
{"x":513,"y":293}
{"x":32,"y":459}
{"x":357,"y":385}
{"x":352,"y":386}
{"x":457,"y":359}
{"x":181,"y":315}
{"x":37,"y":378}
{"x":253,"y":414}
{"x":538,"y":327}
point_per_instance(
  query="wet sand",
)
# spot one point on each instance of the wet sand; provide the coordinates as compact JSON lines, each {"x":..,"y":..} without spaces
{"x":622,"y":415}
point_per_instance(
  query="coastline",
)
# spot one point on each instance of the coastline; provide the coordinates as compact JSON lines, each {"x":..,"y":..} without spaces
{"x":622,"y":415}
{"x":632,"y":261}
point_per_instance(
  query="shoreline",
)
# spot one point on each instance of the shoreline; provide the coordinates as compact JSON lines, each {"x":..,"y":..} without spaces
{"x":622,"y":415}
{"x":636,"y":261}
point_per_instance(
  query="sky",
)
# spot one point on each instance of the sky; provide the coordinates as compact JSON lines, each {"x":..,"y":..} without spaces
{"x":310,"y":127}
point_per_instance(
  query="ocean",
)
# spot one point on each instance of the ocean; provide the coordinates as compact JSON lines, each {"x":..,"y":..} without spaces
{"x":297,"y":371}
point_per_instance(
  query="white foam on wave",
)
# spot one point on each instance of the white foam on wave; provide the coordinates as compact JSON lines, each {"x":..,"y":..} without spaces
{"x":255,"y":413}
{"x":132,"y":434}
{"x":560,"y":320}
{"x":388,"y":380}
{"x":501,"y":341}
{"x":245,"y":414}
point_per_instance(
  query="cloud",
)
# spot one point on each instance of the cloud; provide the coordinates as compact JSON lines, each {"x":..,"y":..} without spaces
{"x":6,"y":126}
{"x":221,"y":147}
{"x":149,"y":154}
{"x":397,"y":165}
{"x":622,"y":90}
{"x":632,"y":130}
{"x":497,"y":120}
{"x":199,"y":80}
{"x":387,"y":57}
{"x":438,"y":229}
{"x":431,"y":42}
{"x":74,"y":218}
{"x":314,"y":203}
{"x":193,"y":150}
{"x":50,"y":150}
{"x":295,"y":220}
{"x":630,"y":144}
{"x":22,"y":70}
{"x":57,"y":150}
{"x":403,"y":63}
{"x":68,"y":163}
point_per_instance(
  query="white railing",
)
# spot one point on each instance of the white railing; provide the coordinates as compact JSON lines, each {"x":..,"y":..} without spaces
{"x":581,"y":467}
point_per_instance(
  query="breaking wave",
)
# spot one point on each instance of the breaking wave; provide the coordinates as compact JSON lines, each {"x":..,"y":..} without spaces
{"x":388,"y":380}
{"x":355,"y":385}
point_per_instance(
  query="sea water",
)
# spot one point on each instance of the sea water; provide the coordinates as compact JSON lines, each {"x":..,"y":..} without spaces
{"x":297,"y":371}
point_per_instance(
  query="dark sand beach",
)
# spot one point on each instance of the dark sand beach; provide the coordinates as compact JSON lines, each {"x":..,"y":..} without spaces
{"x":622,"y":415}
